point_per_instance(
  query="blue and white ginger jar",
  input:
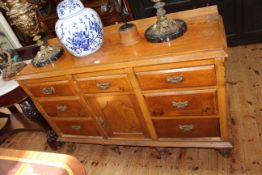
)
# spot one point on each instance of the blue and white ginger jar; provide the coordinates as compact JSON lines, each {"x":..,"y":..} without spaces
{"x":79,"y":29}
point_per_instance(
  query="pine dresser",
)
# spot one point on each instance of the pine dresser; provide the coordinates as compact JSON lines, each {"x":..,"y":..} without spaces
{"x":169,"y":94}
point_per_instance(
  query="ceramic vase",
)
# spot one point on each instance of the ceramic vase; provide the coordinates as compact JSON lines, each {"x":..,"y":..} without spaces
{"x":79,"y":29}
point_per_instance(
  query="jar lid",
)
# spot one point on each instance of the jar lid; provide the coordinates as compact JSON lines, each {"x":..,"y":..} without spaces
{"x":68,"y":7}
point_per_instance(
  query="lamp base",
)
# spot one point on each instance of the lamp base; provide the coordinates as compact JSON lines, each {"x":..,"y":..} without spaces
{"x":47,"y":55}
{"x":172,"y":30}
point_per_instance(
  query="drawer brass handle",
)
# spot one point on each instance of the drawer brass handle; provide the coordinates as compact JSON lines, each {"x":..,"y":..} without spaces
{"x":103,"y":85}
{"x":180,"y":105}
{"x":76,"y":127}
{"x":61,"y":108}
{"x":186,"y":128}
{"x":48,"y":90}
{"x":102,"y":121}
{"x":175,"y":79}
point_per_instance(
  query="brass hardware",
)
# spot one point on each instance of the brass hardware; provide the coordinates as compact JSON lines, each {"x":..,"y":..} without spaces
{"x":164,"y":29}
{"x":48,"y":90}
{"x":180,"y":105}
{"x":76,"y":127}
{"x":61,"y":108}
{"x":186,"y":128}
{"x":175,"y":79}
{"x":102,"y":121}
{"x":23,"y":15}
{"x":103,"y":85}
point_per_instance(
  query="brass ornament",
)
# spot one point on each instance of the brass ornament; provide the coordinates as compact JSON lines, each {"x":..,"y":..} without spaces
{"x":23,"y":16}
{"x":164,"y":29}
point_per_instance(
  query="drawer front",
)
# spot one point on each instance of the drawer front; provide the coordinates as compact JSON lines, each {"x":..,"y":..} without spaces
{"x":187,"y":128}
{"x":182,"y":103}
{"x":63,"y":108}
{"x":51,"y":89}
{"x":77,"y":127}
{"x":110,"y":83}
{"x":175,"y":78}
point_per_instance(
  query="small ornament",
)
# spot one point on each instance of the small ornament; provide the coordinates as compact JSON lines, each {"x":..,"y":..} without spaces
{"x":79,"y":29}
{"x":24,"y":17}
{"x":165,"y":29}
{"x":10,"y":69}
{"x":128,"y":31}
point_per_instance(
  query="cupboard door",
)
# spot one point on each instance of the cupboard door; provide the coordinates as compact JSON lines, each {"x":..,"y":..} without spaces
{"x":119,"y":115}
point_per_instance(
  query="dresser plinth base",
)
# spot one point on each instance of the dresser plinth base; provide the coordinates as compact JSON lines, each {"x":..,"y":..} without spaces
{"x":151,"y":143}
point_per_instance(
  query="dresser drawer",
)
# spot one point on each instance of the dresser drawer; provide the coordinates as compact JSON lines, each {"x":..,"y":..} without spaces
{"x":187,"y":128}
{"x":77,"y":127}
{"x":182,"y":103}
{"x":100,"y":84}
{"x":51,"y":89}
{"x":175,"y":78}
{"x":63,"y":108}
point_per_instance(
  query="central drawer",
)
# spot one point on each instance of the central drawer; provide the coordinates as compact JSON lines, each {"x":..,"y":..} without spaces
{"x":182,"y":103}
{"x":101,"y":84}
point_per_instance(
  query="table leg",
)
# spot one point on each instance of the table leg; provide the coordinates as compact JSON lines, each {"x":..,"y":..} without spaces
{"x":32,"y":113}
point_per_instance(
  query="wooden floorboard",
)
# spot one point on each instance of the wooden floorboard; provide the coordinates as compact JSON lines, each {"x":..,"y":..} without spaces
{"x":244,"y":79}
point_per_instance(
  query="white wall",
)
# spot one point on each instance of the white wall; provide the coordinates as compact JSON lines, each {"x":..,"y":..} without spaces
{"x":5,"y":27}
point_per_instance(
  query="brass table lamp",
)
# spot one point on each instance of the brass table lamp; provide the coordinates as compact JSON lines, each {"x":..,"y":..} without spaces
{"x":164,"y":29}
{"x":24,"y":17}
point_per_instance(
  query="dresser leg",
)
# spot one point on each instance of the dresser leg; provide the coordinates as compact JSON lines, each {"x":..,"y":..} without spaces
{"x":32,"y":114}
{"x":115,"y":148}
{"x":30,"y":111}
{"x":225,"y":152}
{"x":51,"y":138}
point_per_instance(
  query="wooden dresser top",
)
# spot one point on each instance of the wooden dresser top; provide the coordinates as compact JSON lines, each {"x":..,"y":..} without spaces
{"x":205,"y":38}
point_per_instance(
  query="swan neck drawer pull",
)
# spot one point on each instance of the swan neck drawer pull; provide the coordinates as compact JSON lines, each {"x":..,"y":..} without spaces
{"x":76,"y":127}
{"x":186,"y":128}
{"x":61,"y":108}
{"x":48,"y":90}
{"x":180,"y":105}
{"x":102,"y":121}
{"x":175,"y":79}
{"x":103,"y":85}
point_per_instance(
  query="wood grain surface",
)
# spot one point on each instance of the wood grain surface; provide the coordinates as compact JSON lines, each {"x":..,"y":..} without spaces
{"x":204,"y":33}
{"x":122,"y":106}
{"x":243,"y":74}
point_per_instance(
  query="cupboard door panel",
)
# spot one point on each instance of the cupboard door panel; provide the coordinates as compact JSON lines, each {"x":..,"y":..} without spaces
{"x":119,"y":115}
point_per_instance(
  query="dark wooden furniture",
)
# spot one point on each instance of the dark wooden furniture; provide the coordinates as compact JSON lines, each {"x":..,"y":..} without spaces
{"x":27,"y":119}
{"x":32,"y":162}
{"x":242,"y":18}
{"x":16,"y":120}
{"x":109,"y":18}
{"x":150,"y":94}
